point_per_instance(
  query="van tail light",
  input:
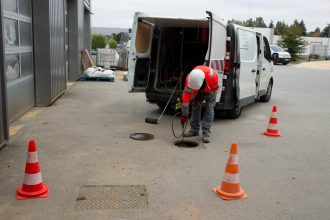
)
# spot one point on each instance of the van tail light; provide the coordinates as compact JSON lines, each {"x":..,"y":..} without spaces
{"x":227,"y":65}
{"x":227,"y":62}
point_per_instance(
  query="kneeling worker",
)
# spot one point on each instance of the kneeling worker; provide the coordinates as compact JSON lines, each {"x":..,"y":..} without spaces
{"x":201,"y":84}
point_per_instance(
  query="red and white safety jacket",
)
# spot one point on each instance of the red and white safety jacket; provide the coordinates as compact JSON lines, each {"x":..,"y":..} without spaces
{"x":212,"y":86}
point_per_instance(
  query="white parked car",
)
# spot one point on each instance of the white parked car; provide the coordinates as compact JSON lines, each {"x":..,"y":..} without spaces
{"x":280,"y":55}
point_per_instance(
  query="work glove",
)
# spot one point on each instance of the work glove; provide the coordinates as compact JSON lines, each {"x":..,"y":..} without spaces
{"x":183,"y":119}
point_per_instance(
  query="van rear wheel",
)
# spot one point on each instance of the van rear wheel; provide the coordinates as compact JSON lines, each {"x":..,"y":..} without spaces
{"x":235,"y":112}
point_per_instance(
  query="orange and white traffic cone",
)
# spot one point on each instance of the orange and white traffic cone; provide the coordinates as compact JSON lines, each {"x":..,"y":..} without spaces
{"x":272,"y":130}
{"x":32,"y":186}
{"x":230,"y":188}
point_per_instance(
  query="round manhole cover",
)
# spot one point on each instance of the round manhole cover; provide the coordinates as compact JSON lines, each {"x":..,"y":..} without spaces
{"x":142,"y":136}
{"x":185,"y":143}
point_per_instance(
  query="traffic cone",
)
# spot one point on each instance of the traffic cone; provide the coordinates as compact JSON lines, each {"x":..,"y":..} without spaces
{"x":230,"y":188}
{"x":32,"y":186}
{"x":272,"y":130}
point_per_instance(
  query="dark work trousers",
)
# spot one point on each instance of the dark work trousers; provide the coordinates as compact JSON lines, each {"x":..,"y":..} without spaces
{"x":208,"y":114}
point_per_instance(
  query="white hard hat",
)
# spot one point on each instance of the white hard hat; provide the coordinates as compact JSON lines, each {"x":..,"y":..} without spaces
{"x":195,"y":79}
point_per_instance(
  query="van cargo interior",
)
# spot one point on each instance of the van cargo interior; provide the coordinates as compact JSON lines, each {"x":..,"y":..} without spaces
{"x":182,"y":45}
{"x":180,"y":50}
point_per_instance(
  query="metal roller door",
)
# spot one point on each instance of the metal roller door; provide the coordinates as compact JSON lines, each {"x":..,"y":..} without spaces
{"x":3,"y":103}
{"x":18,"y":59}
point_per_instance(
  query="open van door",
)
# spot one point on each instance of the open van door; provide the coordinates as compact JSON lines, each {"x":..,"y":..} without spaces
{"x":217,"y":48}
{"x":139,"y":54}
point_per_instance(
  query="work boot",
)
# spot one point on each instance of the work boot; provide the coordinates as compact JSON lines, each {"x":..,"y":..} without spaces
{"x":190,"y":134}
{"x":206,"y":139}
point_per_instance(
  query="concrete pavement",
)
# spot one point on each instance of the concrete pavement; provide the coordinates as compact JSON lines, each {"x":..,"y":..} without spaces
{"x":83,"y":140}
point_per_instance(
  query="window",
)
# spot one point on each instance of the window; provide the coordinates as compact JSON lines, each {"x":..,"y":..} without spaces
{"x":25,"y":33}
{"x":12,"y":66}
{"x":267,"y":53}
{"x":10,"y":5}
{"x":25,"y":7}
{"x":277,"y":48}
{"x":11,"y":32}
{"x":17,"y":25}
{"x":26,"y":64}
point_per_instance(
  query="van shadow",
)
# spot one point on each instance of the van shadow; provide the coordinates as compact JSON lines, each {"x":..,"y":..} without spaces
{"x":218,"y":115}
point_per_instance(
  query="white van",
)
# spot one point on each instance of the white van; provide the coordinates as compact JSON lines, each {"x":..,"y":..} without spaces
{"x":162,"y":49}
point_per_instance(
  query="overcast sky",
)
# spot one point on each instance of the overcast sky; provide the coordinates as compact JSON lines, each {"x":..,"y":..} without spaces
{"x":119,"y":13}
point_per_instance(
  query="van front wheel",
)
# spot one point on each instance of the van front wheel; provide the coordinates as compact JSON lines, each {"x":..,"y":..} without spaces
{"x":266,"y":97}
{"x":235,"y":112}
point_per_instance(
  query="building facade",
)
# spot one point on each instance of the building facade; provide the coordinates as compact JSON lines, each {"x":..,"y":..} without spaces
{"x":312,"y":42}
{"x":40,"y":51}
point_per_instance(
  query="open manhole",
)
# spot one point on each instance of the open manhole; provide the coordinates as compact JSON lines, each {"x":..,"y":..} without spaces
{"x":142,"y":136}
{"x":185,"y":143}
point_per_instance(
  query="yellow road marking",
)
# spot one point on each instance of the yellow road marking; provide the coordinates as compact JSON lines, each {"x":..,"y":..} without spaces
{"x":31,"y":114}
{"x":14,"y":129}
{"x":69,"y":84}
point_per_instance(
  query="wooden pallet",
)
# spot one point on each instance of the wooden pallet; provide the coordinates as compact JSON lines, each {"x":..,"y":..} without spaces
{"x":96,"y":78}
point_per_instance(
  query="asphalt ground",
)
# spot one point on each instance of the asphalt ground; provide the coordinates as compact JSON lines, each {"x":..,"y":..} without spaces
{"x":83,"y":139}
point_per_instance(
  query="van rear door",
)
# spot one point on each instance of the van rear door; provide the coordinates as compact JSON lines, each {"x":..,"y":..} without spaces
{"x":248,"y":64}
{"x":217,"y":47}
{"x":139,"y":54}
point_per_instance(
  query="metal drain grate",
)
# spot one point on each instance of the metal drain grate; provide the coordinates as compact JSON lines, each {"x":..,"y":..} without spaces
{"x":112,"y":197}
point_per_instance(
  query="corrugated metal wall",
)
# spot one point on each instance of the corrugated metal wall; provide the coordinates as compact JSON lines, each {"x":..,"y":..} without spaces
{"x":79,"y":28}
{"x":87,"y":29}
{"x":57,"y":47}
{"x":49,"y":50}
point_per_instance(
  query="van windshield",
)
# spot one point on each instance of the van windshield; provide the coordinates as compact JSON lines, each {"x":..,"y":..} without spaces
{"x":277,"y":48}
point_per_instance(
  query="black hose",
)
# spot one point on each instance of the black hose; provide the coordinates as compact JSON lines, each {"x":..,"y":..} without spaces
{"x":184,"y":126}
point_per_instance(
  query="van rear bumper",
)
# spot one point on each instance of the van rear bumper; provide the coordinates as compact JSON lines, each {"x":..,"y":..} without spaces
{"x":154,"y":97}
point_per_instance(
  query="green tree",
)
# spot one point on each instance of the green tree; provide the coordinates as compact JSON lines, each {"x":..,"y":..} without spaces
{"x":112,"y":42}
{"x":279,"y":27}
{"x":291,"y":40}
{"x":296,"y":23}
{"x":326,"y":31}
{"x":98,"y":41}
{"x":249,"y":23}
{"x":234,"y":21}
{"x":303,"y":28}
{"x":271,"y":24}
{"x":259,"y":22}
